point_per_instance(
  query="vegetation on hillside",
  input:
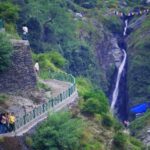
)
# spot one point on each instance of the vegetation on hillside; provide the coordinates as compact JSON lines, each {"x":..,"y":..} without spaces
{"x":5,"y":51}
{"x":75,"y":130}
{"x":139,"y":64}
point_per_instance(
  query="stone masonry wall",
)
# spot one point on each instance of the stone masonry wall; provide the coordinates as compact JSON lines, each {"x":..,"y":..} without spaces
{"x":20,"y":76}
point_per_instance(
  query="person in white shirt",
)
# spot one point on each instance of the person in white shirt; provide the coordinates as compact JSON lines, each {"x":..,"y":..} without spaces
{"x":25,"y":32}
{"x":36,"y":67}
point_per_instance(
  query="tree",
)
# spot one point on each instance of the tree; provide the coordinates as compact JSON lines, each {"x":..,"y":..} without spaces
{"x":5,"y":51}
{"x":9,"y":11}
{"x":59,"y":132}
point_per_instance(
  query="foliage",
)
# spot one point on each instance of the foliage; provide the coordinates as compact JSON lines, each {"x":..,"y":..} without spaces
{"x":95,"y":102}
{"x":120,"y":140}
{"x":28,"y":141}
{"x":83,"y":85}
{"x":57,"y":59}
{"x":91,"y":106}
{"x":98,"y":100}
{"x":35,"y":34}
{"x":9,"y":12}
{"x":138,"y":124}
{"x":3,"y":98}
{"x":60,"y":131}
{"x":43,"y":86}
{"x":51,"y":60}
{"x":139,"y":65}
{"x":53,"y":27}
{"x":113,"y":24}
{"x":117,"y":125}
{"x":107,"y":121}
{"x":5,"y":51}
{"x":136,"y":143}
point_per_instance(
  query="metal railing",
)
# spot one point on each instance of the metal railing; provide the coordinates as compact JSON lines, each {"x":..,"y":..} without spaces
{"x":45,"y":107}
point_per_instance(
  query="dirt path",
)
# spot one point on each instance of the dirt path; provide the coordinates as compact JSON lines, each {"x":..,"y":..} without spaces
{"x":57,"y":86}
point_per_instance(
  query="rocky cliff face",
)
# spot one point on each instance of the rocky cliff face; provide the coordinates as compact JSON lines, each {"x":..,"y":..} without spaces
{"x":138,"y":75}
{"x":109,"y":55}
{"x":20,"y":76}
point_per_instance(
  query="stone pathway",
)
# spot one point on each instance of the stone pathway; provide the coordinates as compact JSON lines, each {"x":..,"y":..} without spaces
{"x":57,"y":87}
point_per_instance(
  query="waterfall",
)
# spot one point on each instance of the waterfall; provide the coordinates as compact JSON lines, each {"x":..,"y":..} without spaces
{"x":120,"y":70}
{"x":125,"y":28}
{"x":115,"y":93}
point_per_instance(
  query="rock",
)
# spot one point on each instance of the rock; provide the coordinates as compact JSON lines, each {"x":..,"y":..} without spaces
{"x":116,"y":52}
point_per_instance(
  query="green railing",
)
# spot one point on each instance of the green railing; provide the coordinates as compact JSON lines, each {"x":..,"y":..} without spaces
{"x":45,"y":107}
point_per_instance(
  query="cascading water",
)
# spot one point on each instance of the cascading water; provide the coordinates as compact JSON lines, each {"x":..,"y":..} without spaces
{"x":120,"y":70}
{"x":125,"y":28}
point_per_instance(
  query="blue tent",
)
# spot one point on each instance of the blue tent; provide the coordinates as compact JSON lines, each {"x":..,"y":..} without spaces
{"x":139,"y":108}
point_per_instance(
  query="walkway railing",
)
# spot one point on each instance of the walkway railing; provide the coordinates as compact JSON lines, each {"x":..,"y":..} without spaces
{"x":45,"y":107}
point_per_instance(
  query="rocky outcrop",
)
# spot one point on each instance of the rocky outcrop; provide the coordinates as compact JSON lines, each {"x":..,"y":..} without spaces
{"x":110,"y":56}
{"x":20,"y":75}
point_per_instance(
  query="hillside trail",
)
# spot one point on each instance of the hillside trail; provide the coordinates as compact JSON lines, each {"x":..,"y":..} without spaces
{"x":56,"y":86}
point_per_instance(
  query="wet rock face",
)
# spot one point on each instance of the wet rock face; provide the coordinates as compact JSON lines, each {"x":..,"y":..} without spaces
{"x":20,"y":76}
{"x":109,"y":55}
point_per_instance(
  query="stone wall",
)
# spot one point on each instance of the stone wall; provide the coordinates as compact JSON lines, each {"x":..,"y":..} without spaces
{"x":20,"y":76}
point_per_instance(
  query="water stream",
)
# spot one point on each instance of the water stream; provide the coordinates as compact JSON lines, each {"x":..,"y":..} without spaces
{"x":120,"y":70}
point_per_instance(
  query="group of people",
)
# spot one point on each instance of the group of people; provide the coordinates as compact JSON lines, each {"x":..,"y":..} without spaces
{"x":138,"y":12}
{"x":7,"y":122}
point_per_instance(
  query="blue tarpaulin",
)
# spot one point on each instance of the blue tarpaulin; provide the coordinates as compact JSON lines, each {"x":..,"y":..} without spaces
{"x":139,"y":108}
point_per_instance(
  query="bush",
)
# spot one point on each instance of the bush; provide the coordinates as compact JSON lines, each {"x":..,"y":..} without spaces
{"x":43,"y":86}
{"x":60,"y":131}
{"x":57,"y":59}
{"x":91,"y":106}
{"x":95,"y":102}
{"x":84,"y":86}
{"x":51,"y":60}
{"x":8,"y":11}
{"x":28,"y":141}
{"x":120,"y":140}
{"x":5,"y":51}
{"x":107,"y":121}
{"x":3,"y":98}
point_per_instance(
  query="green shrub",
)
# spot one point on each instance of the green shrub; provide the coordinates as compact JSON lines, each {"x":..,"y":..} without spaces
{"x":3,"y":98}
{"x":43,"y":86}
{"x":5,"y":51}
{"x":120,"y":140}
{"x":95,"y":103}
{"x":136,"y":142}
{"x":107,"y":121}
{"x":91,"y":106}
{"x":51,"y":60}
{"x":60,"y":131}
{"x":117,"y":125}
{"x":9,"y":12}
{"x":84,"y":86}
{"x":57,"y":59}
{"x":28,"y":141}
